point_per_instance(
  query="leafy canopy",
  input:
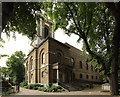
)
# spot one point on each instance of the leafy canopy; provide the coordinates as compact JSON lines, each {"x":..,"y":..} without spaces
{"x":92,"y":22}
{"x":21,"y":17}
{"x":16,"y":68}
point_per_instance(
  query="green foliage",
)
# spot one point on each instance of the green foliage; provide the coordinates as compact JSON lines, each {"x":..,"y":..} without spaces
{"x":16,"y":68}
{"x":41,"y":88}
{"x":26,"y":87}
{"x":34,"y":86}
{"x":9,"y":92}
{"x":9,"y":84}
{"x":30,"y":86}
{"x":92,"y":22}
{"x":3,"y":79}
{"x":53,"y":88}
{"x":22,"y":18}
{"x":24,"y":83}
{"x":4,"y":71}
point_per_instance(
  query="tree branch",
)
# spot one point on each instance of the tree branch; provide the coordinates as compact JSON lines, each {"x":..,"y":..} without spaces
{"x":74,"y":20}
{"x":90,"y":21}
{"x":106,"y":34}
{"x":78,"y":22}
{"x":98,"y":58}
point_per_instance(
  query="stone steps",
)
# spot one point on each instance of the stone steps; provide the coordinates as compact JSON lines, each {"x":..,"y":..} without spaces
{"x":70,"y":87}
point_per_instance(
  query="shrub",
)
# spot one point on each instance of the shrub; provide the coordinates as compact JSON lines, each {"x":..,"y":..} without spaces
{"x":3,"y":79}
{"x":41,"y":88}
{"x":9,"y":85}
{"x":24,"y":83}
{"x":34,"y":86}
{"x":54,"y":88}
{"x":49,"y":90}
{"x":59,"y":87}
{"x":30,"y":86}
{"x":9,"y":92}
{"x":26,"y":87}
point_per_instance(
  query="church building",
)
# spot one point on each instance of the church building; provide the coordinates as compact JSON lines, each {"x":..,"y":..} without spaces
{"x":53,"y":62}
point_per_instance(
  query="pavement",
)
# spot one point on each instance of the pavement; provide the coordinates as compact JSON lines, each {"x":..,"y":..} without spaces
{"x":96,"y":91}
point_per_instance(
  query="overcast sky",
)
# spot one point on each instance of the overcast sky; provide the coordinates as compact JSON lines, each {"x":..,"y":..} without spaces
{"x":23,"y":43}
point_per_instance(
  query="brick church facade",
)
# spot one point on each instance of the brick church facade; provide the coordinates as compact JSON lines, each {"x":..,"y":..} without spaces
{"x":51,"y":61}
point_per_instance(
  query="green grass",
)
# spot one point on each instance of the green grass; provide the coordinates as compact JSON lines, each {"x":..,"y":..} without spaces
{"x":97,"y":87}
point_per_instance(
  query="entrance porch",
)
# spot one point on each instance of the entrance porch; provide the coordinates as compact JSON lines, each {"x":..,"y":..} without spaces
{"x":61,"y":73}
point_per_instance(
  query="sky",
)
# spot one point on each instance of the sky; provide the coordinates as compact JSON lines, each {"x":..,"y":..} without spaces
{"x":22,"y":43}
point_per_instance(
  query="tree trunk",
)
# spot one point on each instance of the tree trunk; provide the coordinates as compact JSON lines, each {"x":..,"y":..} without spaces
{"x":113,"y":84}
{"x":115,"y":54}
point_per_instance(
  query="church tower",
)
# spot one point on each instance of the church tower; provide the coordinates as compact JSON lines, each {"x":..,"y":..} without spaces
{"x":44,"y":30}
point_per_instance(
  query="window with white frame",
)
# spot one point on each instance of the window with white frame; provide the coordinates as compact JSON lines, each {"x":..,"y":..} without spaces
{"x":43,"y":58}
{"x":31,"y":64}
{"x":72,"y":62}
{"x":31,"y":78}
{"x":43,"y":74}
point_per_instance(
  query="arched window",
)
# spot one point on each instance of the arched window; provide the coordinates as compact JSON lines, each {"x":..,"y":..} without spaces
{"x":96,"y":77}
{"x":43,"y":58}
{"x":43,"y":74}
{"x":91,"y":68}
{"x":72,"y":62}
{"x":87,"y":77}
{"x":59,"y":58}
{"x":80,"y":75}
{"x":45,"y":32}
{"x":27,"y":66}
{"x":31,"y":78}
{"x":86,"y":66}
{"x":80,"y":64}
{"x":92,"y":77}
{"x":31,"y":63}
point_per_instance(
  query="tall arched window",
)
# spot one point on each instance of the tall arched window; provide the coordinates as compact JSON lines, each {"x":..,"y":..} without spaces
{"x":92,"y":77}
{"x":91,"y":68}
{"x":96,"y":77}
{"x":87,"y":77}
{"x":43,"y":74}
{"x":80,"y":64}
{"x":45,"y":32}
{"x":86,"y":66}
{"x":31,"y":78}
{"x":59,"y":58}
{"x":27,"y":66}
{"x":43,"y":58}
{"x":72,"y":62}
{"x":31,"y":63}
{"x":81,"y":76}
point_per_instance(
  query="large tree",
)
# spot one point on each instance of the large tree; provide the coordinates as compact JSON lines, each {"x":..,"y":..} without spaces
{"x":20,"y":17}
{"x":16,"y":68}
{"x":97,"y":24}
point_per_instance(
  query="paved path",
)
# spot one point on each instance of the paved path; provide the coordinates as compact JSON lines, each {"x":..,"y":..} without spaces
{"x":96,"y":91}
